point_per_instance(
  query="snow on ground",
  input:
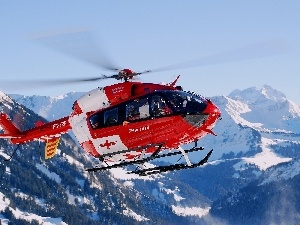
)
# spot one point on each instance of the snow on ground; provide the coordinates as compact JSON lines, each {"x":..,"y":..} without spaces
{"x":3,"y":220}
{"x":72,"y":161}
{"x":5,"y":202}
{"x":42,"y":220}
{"x":175,"y":192}
{"x":122,"y":174}
{"x":5,"y":99}
{"x":2,"y":153}
{"x":76,"y":199}
{"x":265,"y":159}
{"x":71,"y":198}
{"x":7,"y":170}
{"x":40,"y":202}
{"x":235,"y":109}
{"x":51,"y":175}
{"x":283,"y":173}
{"x":21,"y":195}
{"x":69,"y":159}
{"x":128,"y":184}
{"x":190,"y":211}
{"x":128,"y":212}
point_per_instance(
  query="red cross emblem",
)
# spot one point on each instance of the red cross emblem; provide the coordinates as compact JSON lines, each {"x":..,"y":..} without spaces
{"x":107,"y":144}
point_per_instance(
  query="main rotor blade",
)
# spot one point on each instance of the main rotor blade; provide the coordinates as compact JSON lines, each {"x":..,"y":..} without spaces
{"x":254,"y":51}
{"x":27,"y":84}
{"x":80,"y":44}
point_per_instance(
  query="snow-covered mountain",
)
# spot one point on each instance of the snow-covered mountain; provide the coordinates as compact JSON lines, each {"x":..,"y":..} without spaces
{"x":254,"y":121}
{"x":257,"y":146}
{"x":266,"y":109}
{"x":49,"y":107}
{"x":60,"y":191}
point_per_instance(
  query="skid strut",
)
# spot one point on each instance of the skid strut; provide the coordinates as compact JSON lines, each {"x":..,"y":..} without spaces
{"x":181,"y":166}
{"x":138,"y":161}
{"x":155,"y":155}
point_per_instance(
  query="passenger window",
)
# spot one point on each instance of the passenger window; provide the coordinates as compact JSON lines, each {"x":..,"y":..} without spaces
{"x":159,"y":107}
{"x":137,"y":109}
{"x":111,"y":117}
{"x":96,"y":120}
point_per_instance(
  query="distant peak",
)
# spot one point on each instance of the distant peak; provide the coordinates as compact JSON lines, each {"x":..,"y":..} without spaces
{"x":272,"y":94}
{"x":266,"y":86}
{"x":2,"y":94}
{"x":254,"y":94}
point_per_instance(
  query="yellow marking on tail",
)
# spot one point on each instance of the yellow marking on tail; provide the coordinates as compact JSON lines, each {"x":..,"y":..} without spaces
{"x":51,"y":147}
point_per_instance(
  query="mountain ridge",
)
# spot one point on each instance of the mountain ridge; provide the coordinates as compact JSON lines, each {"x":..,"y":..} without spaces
{"x":257,"y":143}
{"x":60,"y":191}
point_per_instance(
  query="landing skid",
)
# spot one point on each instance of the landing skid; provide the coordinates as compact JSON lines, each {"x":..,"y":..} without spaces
{"x":137,"y":161}
{"x":181,"y":166}
{"x":155,"y":155}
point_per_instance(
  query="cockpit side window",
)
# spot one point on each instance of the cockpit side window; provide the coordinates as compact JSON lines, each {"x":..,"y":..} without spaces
{"x":104,"y":119}
{"x":137,"y":109}
{"x":159,"y":106}
{"x":177,"y":101}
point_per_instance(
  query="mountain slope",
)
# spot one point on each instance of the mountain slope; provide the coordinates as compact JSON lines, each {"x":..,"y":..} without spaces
{"x":272,"y":199}
{"x":60,"y":191}
{"x":258,"y":142}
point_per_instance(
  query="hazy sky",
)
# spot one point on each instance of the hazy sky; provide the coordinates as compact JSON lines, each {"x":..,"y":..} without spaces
{"x":142,"y":35}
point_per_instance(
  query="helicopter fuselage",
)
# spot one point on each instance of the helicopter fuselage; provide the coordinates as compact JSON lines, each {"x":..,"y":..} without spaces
{"x":122,"y":122}
{"x":132,"y":114}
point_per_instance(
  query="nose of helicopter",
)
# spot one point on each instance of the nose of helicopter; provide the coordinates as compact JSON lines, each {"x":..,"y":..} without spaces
{"x":213,"y":113}
{"x":212,"y":110}
{"x":207,"y":113}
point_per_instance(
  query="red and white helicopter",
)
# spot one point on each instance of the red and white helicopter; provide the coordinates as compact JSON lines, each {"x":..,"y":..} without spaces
{"x":128,"y":123}
{"x":133,"y":122}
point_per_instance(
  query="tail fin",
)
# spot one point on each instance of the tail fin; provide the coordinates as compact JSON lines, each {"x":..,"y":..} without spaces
{"x":7,"y":125}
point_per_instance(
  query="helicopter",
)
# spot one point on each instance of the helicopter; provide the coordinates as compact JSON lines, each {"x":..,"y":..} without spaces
{"x":130,"y":122}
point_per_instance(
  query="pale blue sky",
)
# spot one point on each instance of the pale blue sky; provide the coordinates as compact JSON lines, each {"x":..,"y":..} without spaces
{"x":144,"y":35}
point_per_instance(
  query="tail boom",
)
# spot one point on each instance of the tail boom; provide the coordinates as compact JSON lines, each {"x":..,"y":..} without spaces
{"x":42,"y":132}
{"x":47,"y":132}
